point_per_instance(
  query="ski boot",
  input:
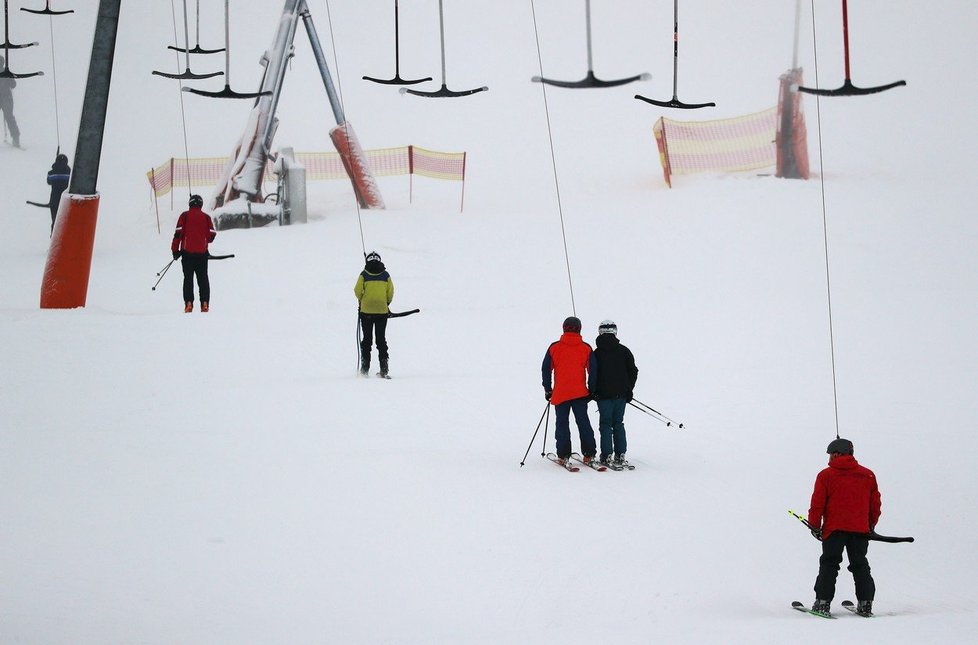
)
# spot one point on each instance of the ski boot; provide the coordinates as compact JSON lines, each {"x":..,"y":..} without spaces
{"x":822,"y":607}
{"x":864,"y":608}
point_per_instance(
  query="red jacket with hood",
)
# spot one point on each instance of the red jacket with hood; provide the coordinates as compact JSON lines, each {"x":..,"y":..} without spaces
{"x":573,"y":365}
{"x":195,"y":230}
{"x":846,"y":498}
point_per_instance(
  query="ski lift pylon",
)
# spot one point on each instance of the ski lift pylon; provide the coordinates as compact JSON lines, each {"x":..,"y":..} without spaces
{"x":7,"y":46}
{"x":674,"y":102}
{"x":47,"y":10}
{"x":590,"y":80}
{"x":186,"y":75}
{"x":397,"y":80}
{"x":227,"y":92}
{"x":847,"y":88}
{"x":444,"y":92}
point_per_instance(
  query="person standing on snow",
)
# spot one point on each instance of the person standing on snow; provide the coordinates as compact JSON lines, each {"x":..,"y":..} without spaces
{"x":58,"y":180}
{"x":195,"y":231}
{"x":614,"y":384}
{"x":7,"y":105}
{"x":568,"y":366}
{"x":845,"y":507}
{"x":374,"y":290}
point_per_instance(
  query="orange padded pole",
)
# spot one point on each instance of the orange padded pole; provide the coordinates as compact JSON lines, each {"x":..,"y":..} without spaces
{"x":69,"y":264}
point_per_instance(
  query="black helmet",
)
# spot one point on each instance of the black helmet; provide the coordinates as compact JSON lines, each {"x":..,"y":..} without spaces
{"x":841,"y":446}
{"x":373,"y":256}
{"x":196,"y":200}
{"x":61,"y":158}
{"x":572,"y":323}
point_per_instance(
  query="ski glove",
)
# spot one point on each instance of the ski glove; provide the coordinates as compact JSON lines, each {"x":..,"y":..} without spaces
{"x":628,"y":399}
{"x":176,"y":255}
{"x":817,"y":534}
{"x":547,"y":393}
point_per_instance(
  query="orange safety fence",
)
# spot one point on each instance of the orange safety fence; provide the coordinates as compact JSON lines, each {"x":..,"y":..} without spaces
{"x":384,"y":162}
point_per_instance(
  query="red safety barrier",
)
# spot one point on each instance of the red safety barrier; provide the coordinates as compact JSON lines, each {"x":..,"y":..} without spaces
{"x":69,"y":263}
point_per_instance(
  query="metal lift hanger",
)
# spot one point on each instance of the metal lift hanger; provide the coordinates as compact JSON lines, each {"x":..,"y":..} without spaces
{"x":197,"y":48}
{"x":590,"y":80}
{"x":47,"y":10}
{"x":187,"y":74}
{"x":444,"y":92}
{"x":848,"y":89}
{"x":7,"y":46}
{"x":674,"y":102}
{"x":227,"y":92}
{"x":397,"y":80}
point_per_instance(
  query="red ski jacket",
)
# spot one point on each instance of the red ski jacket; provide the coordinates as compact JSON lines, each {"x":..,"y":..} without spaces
{"x":846,"y":498}
{"x":573,"y":365}
{"x":195,"y":231}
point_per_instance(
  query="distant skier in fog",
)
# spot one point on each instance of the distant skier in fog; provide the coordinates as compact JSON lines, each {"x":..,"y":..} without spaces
{"x":7,"y":105}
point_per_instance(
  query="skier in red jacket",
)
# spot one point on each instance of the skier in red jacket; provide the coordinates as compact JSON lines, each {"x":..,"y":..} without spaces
{"x":845,"y":508}
{"x":572,"y":364}
{"x":195,"y":230}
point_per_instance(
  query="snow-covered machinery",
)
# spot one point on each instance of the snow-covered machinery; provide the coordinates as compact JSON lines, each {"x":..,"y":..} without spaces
{"x":238,"y":201}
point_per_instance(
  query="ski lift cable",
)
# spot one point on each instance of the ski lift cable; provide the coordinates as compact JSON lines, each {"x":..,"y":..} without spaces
{"x":553,"y":158}
{"x":183,"y":111}
{"x":825,"y":234}
{"x":54,"y":82}
{"x":345,"y":124}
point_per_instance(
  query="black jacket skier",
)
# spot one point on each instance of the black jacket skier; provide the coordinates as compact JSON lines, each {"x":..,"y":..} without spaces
{"x":58,"y":180}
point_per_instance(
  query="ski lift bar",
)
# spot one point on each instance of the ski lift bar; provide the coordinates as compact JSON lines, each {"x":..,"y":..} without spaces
{"x":397,"y":80}
{"x":674,"y":102}
{"x":187,"y":74}
{"x":227,"y":92}
{"x":848,"y":89}
{"x":47,"y":10}
{"x":197,"y":48}
{"x":7,"y":46}
{"x":444,"y":92}
{"x":590,"y":80}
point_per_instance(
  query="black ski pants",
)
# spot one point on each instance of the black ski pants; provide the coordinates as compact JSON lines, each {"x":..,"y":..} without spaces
{"x":856,"y":546}
{"x":195,"y":264}
{"x":373,"y":325}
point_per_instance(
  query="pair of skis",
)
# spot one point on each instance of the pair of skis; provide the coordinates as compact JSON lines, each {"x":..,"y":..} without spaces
{"x":847,"y":604}
{"x":592,"y":464}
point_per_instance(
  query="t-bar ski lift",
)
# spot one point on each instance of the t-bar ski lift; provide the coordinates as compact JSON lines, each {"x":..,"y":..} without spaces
{"x":590,"y":80}
{"x":674,"y":102}
{"x":848,"y":89}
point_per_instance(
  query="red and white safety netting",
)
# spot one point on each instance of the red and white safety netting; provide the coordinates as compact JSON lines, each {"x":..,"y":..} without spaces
{"x":724,"y":145}
{"x":384,"y":162}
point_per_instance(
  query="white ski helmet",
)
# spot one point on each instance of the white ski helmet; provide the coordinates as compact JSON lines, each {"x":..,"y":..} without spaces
{"x":608,"y":327}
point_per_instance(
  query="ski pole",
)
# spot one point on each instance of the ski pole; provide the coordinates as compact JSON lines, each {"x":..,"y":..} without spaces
{"x":163,"y":273}
{"x":661,"y":416}
{"x":532,"y":439}
{"x":644,"y":411}
{"x":872,"y":535}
